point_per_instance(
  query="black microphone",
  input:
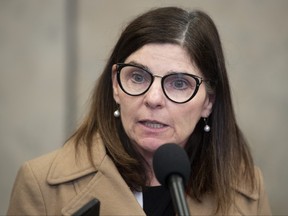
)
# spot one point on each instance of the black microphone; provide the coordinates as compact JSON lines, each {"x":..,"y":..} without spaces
{"x":172,"y":169}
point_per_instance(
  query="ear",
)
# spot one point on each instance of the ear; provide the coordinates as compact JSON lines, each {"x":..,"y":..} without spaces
{"x":115,"y":84}
{"x":208,"y":106}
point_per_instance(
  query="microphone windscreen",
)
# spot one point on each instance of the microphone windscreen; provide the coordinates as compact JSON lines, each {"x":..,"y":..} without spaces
{"x":171,"y":159}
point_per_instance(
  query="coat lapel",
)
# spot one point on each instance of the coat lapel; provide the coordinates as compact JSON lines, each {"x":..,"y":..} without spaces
{"x":71,"y":163}
{"x":101,"y":181}
{"x":108,"y":187}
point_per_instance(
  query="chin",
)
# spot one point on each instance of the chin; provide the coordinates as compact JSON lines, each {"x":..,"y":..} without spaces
{"x":152,"y":145}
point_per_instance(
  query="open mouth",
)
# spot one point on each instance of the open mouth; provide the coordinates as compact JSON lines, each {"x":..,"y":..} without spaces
{"x":153,"y":124}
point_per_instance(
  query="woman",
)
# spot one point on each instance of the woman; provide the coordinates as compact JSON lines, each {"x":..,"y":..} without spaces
{"x":165,"y":82}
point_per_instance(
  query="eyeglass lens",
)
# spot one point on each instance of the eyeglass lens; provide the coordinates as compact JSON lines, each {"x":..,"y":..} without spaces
{"x":178,"y":87}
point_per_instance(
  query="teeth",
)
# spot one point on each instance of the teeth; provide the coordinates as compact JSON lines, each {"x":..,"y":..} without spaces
{"x":153,"y":125}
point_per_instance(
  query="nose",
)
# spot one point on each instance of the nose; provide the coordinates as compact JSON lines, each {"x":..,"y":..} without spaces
{"x":154,"y":97}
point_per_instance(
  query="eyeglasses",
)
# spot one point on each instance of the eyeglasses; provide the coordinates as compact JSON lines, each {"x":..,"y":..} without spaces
{"x":135,"y":80}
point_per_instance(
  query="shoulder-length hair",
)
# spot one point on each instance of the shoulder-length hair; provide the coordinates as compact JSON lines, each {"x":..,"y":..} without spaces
{"x":216,"y":157}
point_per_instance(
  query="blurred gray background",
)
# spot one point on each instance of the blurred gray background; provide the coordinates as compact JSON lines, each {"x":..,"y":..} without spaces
{"x":51,"y":53}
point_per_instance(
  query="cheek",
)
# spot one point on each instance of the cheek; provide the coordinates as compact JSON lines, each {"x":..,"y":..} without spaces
{"x":186,"y":119}
{"x":128,"y":108}
{"x":187,"y":123}
{"x":126,"y":102}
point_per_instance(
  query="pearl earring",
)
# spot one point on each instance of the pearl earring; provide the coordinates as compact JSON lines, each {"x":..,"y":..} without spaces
{"x":206,"y":127}
{"x":116,"y":113}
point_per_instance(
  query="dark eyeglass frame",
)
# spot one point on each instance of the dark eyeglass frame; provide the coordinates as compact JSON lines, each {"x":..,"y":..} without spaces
{"x":120,"y":66}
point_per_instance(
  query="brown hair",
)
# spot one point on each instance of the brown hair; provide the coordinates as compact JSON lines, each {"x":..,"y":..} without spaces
{"x":216,"y":157}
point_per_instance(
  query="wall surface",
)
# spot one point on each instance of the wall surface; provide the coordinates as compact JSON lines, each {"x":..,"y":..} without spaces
{"x":32,"y":78}
{"x":53,"y":51}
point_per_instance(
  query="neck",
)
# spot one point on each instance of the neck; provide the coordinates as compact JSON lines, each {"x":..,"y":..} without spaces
{"x":152,"y":181}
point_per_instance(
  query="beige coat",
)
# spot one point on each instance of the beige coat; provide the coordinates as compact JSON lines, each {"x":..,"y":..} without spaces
{"x":59,"y":184}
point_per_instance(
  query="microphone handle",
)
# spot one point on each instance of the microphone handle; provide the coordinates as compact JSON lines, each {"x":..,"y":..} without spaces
{"x":178,"y":195}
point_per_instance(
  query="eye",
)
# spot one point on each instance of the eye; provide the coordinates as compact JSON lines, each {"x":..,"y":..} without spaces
{"x":138,"y":77}
{"x":179,"y":84}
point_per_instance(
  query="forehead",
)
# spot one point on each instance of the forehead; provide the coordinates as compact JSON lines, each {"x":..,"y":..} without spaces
{"x":164,"y":58}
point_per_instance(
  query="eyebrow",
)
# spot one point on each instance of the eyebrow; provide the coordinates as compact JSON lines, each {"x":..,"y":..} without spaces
{"x":147,"y":68}
{"x":140,"y":65}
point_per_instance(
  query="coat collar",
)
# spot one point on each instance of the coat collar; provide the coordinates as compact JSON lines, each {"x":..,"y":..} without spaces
{"x":69,"y":165}
{"x":107,"y":185}
{"x":247,"y":192}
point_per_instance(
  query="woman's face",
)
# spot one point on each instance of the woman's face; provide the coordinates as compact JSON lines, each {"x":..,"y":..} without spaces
{"x":151,"y":120}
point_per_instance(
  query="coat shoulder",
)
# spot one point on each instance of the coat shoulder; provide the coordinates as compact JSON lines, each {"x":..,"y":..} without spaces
{"x":34,"y":187}
{"x":27,"y":197}
{"x":42,"y":164}
{"x":253,"y":200}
